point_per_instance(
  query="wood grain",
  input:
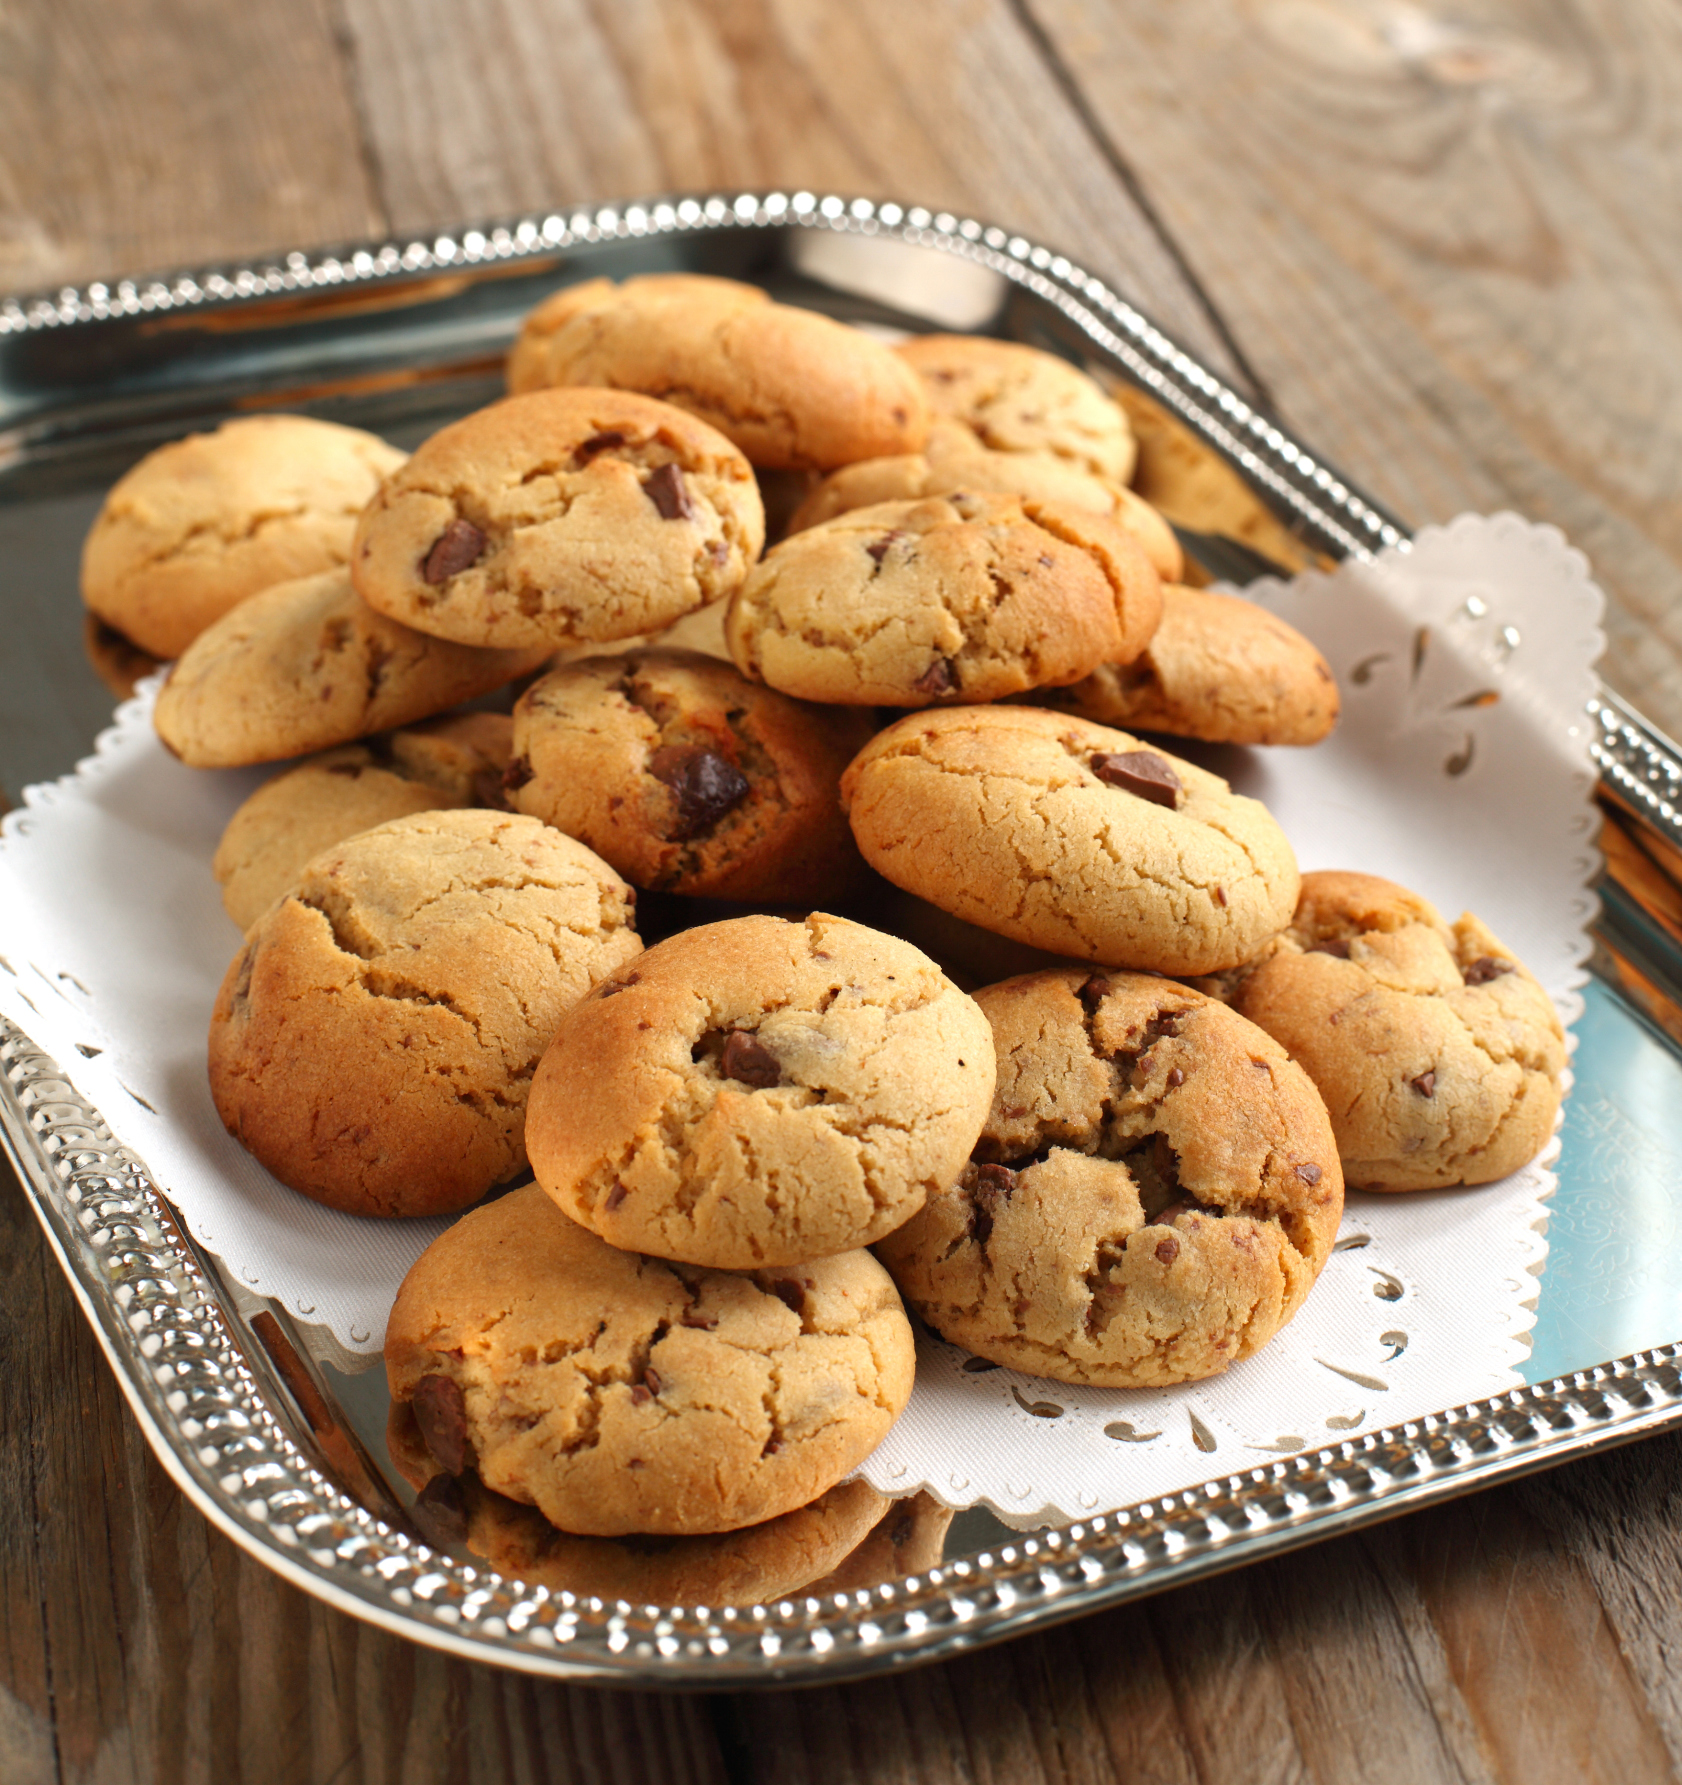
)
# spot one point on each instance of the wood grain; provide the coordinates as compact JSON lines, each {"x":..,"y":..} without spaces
{"x":171,"y":132}
{"x":1436,"y":232}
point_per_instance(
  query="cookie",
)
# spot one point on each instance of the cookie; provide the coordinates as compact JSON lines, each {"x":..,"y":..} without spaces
{"x":958,"y":598}
{"x":1153,"y":1195}
{"x":449,"y":763}
{"x":791,"y":388}
{"x":1217,"y":668}
{"x":1437,"y":1053}
{"x":954,"y":462}
{"x":908,"y":1539}
{"x":558,"y":518}
{"x":202,"y":523}
{"x":760,"y":1092}
{"x":688,"y":778}
{"x":1072,"y":838}
{"x":307,"y":665}
{"x":621,"y":1394}
{"x":1013,"y":398}
{"x":746,"y":1567}
{"x":374,"y":1040}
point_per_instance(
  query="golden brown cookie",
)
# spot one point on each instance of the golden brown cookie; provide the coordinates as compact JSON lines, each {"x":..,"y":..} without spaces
{"x":450,"y":762}
{"x":758,"y":1092}
{"x":374,"y":1040}
{"x":621,"y":1394}
{"x":954,"y":461}
{"x":1217,"y":668}
{"x":557,"y":518}
{"x":749,"y":1566}
{"x":689,"y":778}
{"x":958,"y":598}
{"x":908,"y":1539}
{"x":792,"y":388}
{"x":1072,"y":838}
{"x":1014,"y":398}
{"x":307,"y":665}
{"x":1437,"y":1053}
{"x":1152,"y":1198}
{"x":202,"y":523}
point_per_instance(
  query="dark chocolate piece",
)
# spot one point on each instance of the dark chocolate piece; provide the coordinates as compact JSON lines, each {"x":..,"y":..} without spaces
{"x":1140,"y":772}
{"x":669,"y":493}
{"x":1425,"y":1084}
{"x":941,"y":677}
{"x":441,"y":1416}
{"x":457,"y":548}
{"x":749,"y":1061}
{"x":1484,"y":969}
{"x":707,"y":785}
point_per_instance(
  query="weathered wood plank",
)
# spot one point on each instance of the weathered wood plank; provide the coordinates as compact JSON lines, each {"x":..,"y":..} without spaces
{"x":481,"y":107}
{"x":171,"y":132}
{"x":1442,"y":235}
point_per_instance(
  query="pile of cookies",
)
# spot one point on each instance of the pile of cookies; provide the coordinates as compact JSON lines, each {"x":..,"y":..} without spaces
{"x":615,"y":936}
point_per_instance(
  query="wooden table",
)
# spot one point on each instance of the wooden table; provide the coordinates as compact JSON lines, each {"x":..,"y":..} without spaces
{"x":1443,"y":243}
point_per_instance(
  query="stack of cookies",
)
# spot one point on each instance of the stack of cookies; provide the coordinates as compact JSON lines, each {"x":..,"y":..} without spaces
{"x":1121,"y":1162}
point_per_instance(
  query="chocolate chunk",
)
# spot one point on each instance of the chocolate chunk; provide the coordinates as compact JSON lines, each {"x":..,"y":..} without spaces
{"x":456,"y":549}
{"x":1000,"y":1180}
{"x":669,"y":493}
{"x":788,"y":1292}
{"x":488,"y":789}
{"x":989,"y":1187}
{"x":441,"y":1414}
{"x":1220,"y":897}
{"x":517,"y":774}
{"x":651,"y":1380}
{"x":772,"y":1446}
{"x":1176,"y":1078}
{"x":1140,"y":772}
{"x":605,"y":441}
{"x":701,"y":1322}
{"x":941,"y":677}
{"x":1425,"y":1084}
{"x":641,"y":1394}
{"x":707,"y":785}
{"x":614,"y":1197}
{"x":879,"y":548}
{"x":1484,"y":969}
{"x":748,"y":1060}
{"x":1094,"y":990}
{"x":1334,"y":945}
{"x":610,"y":987}
{"x":440,"y":1512}
{"x":1167,"y":1250}
{"x":1310,"y":1173}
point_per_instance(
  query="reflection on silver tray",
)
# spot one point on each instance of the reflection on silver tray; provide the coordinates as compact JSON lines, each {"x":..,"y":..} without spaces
{"x":249,"y":1415}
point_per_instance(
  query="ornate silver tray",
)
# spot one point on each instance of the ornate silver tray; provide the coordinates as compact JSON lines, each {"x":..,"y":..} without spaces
{"x":251,"y":1415}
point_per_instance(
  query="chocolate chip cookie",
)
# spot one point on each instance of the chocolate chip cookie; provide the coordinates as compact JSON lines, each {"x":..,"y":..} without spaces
{"x":746,"y":1567}
{"x":448,"y":763}
{"x":202,"y":523}
{"x":622,"y":1394}
{"x":1014,"y":398}
{"x":791,"y":388}
{"x":1153,"y":1196}
{"x":688,"y":778}
{"x":557,"y":518}
{"x":760,"y":1092}
{"x":374,"y":1040}
{"x":1217,"y":668}
{"x":1437,"y":1053}
{"x":1072,"y":838}
{"x":958,"y":598}
{"x":953,"y":461}
{"x":307,"y":665}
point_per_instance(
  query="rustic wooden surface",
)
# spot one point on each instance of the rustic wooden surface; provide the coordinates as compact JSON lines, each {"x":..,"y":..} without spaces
{"x":1442,"y":242}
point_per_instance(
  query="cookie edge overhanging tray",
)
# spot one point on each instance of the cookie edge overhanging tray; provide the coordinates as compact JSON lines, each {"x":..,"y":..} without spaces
{"x":259,"y":1457}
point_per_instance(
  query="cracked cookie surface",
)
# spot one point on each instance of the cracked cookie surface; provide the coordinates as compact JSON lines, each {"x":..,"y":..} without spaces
{"x":304,"y":810}
{"x":749,"y":1566}
{"x":1437,"y":1053}
{"x":307,"y":665}
{"x":559,"y":518}
{"x":619,"y":1394}
{"x":688,"y":778}
{"x":793,"y":389}
{"x":758,"y":1092}
{"x":954,"y":460}
{"x":956,"y":598}
{"x":1217,"y":668}
{"x":373,"y":1042}
{"x":1064,"y":835}
{"x":1014,"y":398}
{"x":1152,"y":1198}
{"x":202,"y":523}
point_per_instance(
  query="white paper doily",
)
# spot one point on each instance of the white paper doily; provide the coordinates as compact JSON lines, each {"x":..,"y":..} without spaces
{"x":1460,"y":768}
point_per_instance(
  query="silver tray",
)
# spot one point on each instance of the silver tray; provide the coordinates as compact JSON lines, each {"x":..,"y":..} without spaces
{"x":257,"y":1420}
